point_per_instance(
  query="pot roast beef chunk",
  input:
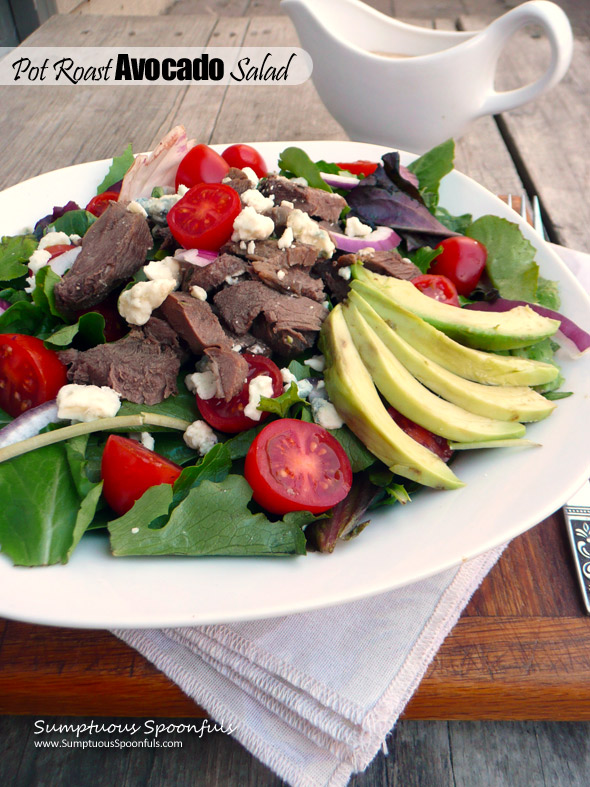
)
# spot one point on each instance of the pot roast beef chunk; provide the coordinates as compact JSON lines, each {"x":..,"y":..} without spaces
{"x":318,"y":203}
{"x":246,"y":343}
{"x":388,"y":263}
{"x":296,"y":281}
{"x":237,"y":180}
{"x":230,"y":370}
{"x":113,"y":249}
{"x":336,"y":286}
{"x":212,"y":276}
{"x":287,"y":324}
{"x":139,"y":368}
{"x":300,"y":254}
{"x":194,"y":322}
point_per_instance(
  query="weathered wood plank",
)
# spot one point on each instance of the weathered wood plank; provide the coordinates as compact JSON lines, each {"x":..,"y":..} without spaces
{"x":559,"y":173}
{"x":296,"y":110}
{"x":122,"y":7}
{"x":480,"y":757}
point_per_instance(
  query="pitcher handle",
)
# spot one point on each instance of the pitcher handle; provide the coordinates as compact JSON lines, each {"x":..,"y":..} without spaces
{"x":559,"y":32}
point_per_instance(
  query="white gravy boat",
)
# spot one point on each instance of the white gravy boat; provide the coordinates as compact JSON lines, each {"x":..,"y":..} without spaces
{"x":411,"y":87}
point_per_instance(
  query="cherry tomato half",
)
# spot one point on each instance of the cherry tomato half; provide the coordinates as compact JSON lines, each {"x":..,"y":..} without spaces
{"x":360,"y":167}
{"x":462,"y":260}
{"x":201,"y":165}
{"x":100,"y":203}
{"x":438,"y":287}
{"x":30,"y":374}
{"x":297,"y":466}
{"x":435,"y":443}
{"x":128,"y":469}
{"x":229,"y":416}
{"x":204,"y":217}
{"x":241,"y":156}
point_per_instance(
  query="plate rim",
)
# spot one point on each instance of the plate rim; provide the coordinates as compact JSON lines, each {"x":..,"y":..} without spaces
{"x":137,"y":620}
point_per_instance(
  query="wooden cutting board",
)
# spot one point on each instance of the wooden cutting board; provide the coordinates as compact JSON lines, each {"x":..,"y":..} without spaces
{"x":521,"y":650}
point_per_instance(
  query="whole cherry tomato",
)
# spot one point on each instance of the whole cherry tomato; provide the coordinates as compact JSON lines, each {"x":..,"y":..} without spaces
{"x":462,"y":260}
{"x":30,"y":373}
{"x":201,"y":165}
{"x":100,"y":203}
{"x":241,"y":156}
{"x":438,"y":287}
{"x":297,"y":466}
{"x":204,"y":217}
{"x":229,"y":416}
{"x":128,"y":469}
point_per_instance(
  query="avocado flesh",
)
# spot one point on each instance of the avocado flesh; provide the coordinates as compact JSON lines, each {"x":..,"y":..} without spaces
{"x":519,"y":327}
{"x":412,"y":399}
{"x":507,"y":403}
{"x":350,"y":388}
{"x":475,"y":365}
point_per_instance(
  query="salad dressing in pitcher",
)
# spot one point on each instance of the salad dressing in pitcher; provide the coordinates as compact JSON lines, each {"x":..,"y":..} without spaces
{"x":413,"y":87}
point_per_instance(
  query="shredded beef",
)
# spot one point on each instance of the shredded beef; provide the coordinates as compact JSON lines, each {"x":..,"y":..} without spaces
{"x":336,"y":286}
{"x":238,"y":180}
{"x":287,"y":324}
{"x":194,"y":322}
{"x":212,"y":276}
{"x":139,"y":367}
{"x":230,"y":370}
{"x":296,"y":281}
{"x":388,"y":263}
{"x":318,"y":203}
{"x":300,"y":254}
{"x":113,"y":249}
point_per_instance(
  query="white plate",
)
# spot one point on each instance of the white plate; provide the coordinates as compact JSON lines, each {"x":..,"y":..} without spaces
{"x":507,"y":491}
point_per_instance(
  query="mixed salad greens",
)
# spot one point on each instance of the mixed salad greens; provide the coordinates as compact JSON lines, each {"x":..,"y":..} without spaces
{"x":52,"y":476}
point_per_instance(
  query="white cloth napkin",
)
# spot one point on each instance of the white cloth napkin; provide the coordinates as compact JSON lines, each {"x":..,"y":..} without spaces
{"x":314,"y":695}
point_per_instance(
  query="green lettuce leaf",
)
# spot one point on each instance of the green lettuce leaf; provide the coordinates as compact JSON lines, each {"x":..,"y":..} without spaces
{"x":431,"y":168}
{"x":39,"y":513}
{"x":424,"y":257}
{"x":74,"y":222}
{"x":360,"y":457}
{"x":90,"y":327}
{"x":45,"y":281}
{"x":214,"y":466}
{"x":213,"y":519}
{"x":27,"y":317}
{"x":548,"y":294}
{"x":14,"y":253}
{"x":183,"y":406}
{"x":296,"y":162}
{"x":511,"y":262}
{"x":117,"y":170}
{"x":280,"y":405}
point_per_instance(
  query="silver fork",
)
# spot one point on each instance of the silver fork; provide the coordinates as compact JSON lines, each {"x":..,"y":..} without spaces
{"x":577,"y":510}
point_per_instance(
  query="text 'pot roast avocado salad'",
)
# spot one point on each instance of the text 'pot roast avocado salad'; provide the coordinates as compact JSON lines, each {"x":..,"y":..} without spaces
{"x":211,"y":359}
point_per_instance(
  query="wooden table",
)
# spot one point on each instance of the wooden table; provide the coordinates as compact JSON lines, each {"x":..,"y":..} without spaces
{"x":521,"y":649}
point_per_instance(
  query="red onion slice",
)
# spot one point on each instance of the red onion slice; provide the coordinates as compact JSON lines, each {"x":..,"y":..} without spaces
{"x":63,"y":262}
{"x":4,"y":305}
{"x":381,"y":239}
{"x":567,"y":327}
{"x":29,"y":424}
{"x":198,"y":257}
{"x":340,"y":181}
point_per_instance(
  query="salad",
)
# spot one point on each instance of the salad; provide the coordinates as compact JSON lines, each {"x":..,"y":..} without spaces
{"x":199,"y":406}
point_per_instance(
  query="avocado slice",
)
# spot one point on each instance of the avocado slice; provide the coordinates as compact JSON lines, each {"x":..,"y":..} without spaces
{"x":481,"y":367}
{"x":349,"y":386}
{"x":519,"y":327}
{"x":504,"y":403}
{"x":412,"y":399}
